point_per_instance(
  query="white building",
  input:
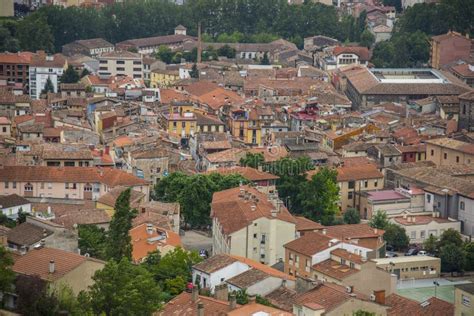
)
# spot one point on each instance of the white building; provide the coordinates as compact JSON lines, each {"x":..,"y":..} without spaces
{"x":121,"y":63}
{"x":238,"y":274}
{"x":11,"y":205}
{"x":43,"y":67}
{"x":251,"y":224}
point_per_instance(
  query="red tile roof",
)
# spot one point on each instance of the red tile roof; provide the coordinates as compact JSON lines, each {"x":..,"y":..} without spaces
{"x":183,"y":305}
{"x":303,"y":224}
{"x":420,"y":220}
{"x":360,"y":172}
{"x":16,"y":58}
{"x":248,"y":173}
{"x":36,"y":262}
{"x":142,"y":246}
{"x":234,"y":212}
{"x":362,"y":52}
{"x":402,"y":306}
{"x":310,"y":243}
{"x":334,"y":269}
{"x":109,"y":176}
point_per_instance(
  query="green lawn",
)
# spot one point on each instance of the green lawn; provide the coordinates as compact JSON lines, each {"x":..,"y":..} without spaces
{"x":445,"y":292}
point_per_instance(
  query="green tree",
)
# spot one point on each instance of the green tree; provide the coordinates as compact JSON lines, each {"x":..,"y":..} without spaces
{"x":85,"y":72}
{"x":351,"y":216}
{"x":93,"y":240}
{"x":452,"y":258}
{"x":469,"y":251}
{"x":122,"y":288}
{"x":8,"y":43}
{"x":394,"y":3}
{"x":450,"y":236}
{"x":396,"y":236}
{"x":48,"y":87}
{"x":118,"y":241}
{"x":431,"y":244}
{"x":7,"y":276}
{"x":367,"y":39}
{"x":34,"y":34}
{"x":226,"y":51}
{"x":165,"y":54}
{"x":194,"y":73}
{"x":34,"y":297}
{"x":361,"y":312}
{"x":379,"y":220}
{"x":252,"y":160}
{"x":320,"y":195}
{"x":265,"y":60}
{"x":21,"y":216}
{"x":70,"y":75}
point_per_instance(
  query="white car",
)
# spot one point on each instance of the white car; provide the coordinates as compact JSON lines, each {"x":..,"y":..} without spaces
{"x":422,"y":253}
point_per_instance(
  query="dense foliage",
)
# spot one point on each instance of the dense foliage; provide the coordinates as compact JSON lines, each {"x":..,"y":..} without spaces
{"x":194,"y":193}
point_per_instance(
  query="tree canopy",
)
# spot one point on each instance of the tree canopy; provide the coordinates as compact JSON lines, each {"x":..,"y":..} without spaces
{"x":70,"y":75}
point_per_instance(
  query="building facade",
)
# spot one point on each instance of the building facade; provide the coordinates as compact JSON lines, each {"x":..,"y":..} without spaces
{"x":121,"y":63}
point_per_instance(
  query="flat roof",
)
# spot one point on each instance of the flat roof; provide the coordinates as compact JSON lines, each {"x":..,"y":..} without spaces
{"x":405,"y":259}
{"x":408,"y":75}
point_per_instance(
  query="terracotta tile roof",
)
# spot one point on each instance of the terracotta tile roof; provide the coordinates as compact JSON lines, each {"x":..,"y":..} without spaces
{"x":282,"y":298}
{"x":109,"y":176}
{"x":145,"y":241}
{"x":36,"y":262}
{"x":7,"y":201}
{"x":16,"y":58}
{"x":418,"y":148}
{"x":248,"y":278}
{"x":82,"y":217}
{"x":94,"y":43}
{"x":467,"y":96}
{"x":360,"y":172}
{"x":27,"y":234}
{"x":183,"y":305}
{"x":402,"y":306}
{"x":248,"y":173}
{"x":270,"y":154}
{"x":123,"y":141}
{"x":111,"y":197}
{"x":454,"y":144}
{"x":449,"y":35}
{"x":344,"y":254}
{"x":353,"y":231}
{"x":303,"y":224}
{"x":4,"y":120}
{"x":40,"y":60}
{"x":257,"y":309}
{"x":334,"y":269}
{"x":384,"y":195}
{"x":264,"y":268}
{"x":169,"y":95}
{"x":327,"y":295}
{"x":157,"y":40}
{"x":420,"y":220}
{"x":362,"y":52}
{"x":228,"y":155}
{"x":234,"y":212}
{"x":310,"y":243}
{"x":215,"y":263}
{"x":219,"y":144}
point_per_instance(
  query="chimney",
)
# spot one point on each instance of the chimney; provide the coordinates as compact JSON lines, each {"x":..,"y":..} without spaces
{"x":274,"y":213}
{"x":376,"y":230}
{"x":43,"y":242}
{"x":232,"y":301}
{"x":23,"y":250}
{"x":325,"y":231}
{"x":49,"y":210}
{"x":200,"y":309}
{"x":107,"y":149}
{"x":252,"y":299}
{"x":149,"y":229}
{"x":195,"y":294}
{"x":52,"y":267}
{"x":433,"y":214}
{"x":253,"y":207}
{"x":380,"y":297}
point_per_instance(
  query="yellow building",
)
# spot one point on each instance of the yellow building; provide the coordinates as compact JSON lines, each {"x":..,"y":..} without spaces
{"x":163,"y":78}
{"x":448,"y":152}
{"x":181,"y":119}
{"x":245,"y":125}
{"x":464,"y":299}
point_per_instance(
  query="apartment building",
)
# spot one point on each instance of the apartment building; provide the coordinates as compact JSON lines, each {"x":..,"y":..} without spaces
{"x":353,"y":180}
{"x":247,"y":223}
{"x":448,"y":48}
{"x":181,"y":119}
{"x":82,"y":183}
{"x":42,"y":68}
{"x":448,"y":152}
{"x":15,"y":67}
{"x":121,"y":63}
{"x":89,"y":47}
{"x":411,"y":267}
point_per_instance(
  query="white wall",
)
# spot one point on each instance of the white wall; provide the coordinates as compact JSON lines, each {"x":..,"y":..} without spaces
{"x":12,"y":212}
{"x":225,"y":273}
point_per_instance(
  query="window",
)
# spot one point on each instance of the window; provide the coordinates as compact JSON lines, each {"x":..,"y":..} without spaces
{"x":14,"y":184}
{"x":366,"y":184}
{"x":428,"y":198}
{"x":349,"y":195}
{"x":69,"y":164}
{"x":351,"y":184}
{"x":66,"y":185}
{"x":254,"y":235}
{"x":28,"y":187}
{"x":457,"y":159}
{"x":466,"y":301}
{"x":50,"y":185}
{"x":307,"y":263}
{"x":432,"y":152}
{"x":6,"y":184}
{"x":4,"y":129}
{"x":103,"y":68}
{"x":413,"y":235}
{"x":422,"y":234}
{"x":42,"y":185}
{"x":137,"y":62}
{"x":137,"y":69}
{"x":445,"y":155}
{"x":120,"y":62}
{"x":352,"y":265}
{"x":222,"y":279}
{"x":376,"y":183}
{"x":461,"y":205}
{"x":120,"y":69}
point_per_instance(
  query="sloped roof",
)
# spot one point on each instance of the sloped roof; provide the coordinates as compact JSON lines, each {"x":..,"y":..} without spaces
{"x":27,"y":234}
{"x":310,"y":243}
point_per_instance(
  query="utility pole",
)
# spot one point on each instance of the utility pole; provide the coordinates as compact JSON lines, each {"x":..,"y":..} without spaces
{"x":199,"y":48}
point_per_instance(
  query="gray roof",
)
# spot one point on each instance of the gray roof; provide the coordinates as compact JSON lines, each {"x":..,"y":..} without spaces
{"x":12,"y":200}
{"x":248,"y":278}
{"x":469,"y":287}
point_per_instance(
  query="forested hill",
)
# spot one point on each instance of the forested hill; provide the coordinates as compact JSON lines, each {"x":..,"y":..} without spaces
{"x":51,"y":27}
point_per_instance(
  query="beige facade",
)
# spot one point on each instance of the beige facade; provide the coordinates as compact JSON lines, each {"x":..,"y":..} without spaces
{"x":261,"y":241}
{"x":411,"y":267}
{"x":61,"y":190}
{"x":297,"y":264}
{"x":464,"y":300}
{"x":121,"y":64}
{"x":348,"y":191}
{"x":418,"y":232}
{"x":80,"y":278}
{"x":348,"y":308}
{"x":448,"y":152}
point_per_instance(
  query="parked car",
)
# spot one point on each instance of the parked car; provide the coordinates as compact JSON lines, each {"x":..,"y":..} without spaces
{"x":412,"y":252}
{"x":422,"y":253}
{"x":390,"y":254}
{"x":389,"y":248}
